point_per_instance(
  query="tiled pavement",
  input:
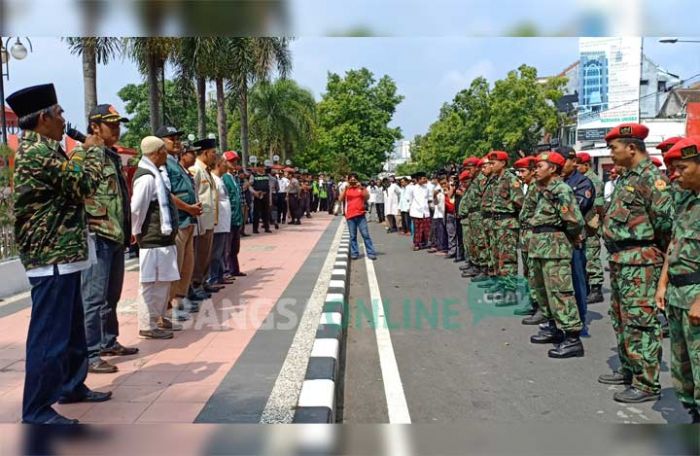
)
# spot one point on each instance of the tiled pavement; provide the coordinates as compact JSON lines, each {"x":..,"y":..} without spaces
{"x":170,"y":381}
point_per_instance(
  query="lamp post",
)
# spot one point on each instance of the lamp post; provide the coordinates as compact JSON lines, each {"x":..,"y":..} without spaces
{"x":19,"y":52}
{"x":676,"y":40}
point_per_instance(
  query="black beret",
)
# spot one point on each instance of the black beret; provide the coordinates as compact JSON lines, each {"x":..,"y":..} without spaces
{"x":205,"y":144}
{"x":32,"y":99}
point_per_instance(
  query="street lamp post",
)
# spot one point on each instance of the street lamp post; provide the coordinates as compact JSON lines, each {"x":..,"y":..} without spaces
{"x":676,"y":40}
{"x":19,"y":52}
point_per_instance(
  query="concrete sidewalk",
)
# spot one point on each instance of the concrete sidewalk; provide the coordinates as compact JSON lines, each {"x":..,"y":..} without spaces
{"x":171,"y":381}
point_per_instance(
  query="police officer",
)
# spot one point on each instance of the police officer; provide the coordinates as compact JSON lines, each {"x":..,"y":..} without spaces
{"x":261,"y":200}
{"x":585,"y":196}
{"x":637,"y":230}
{"x":51,"y":234}
{"x":678,"y":291}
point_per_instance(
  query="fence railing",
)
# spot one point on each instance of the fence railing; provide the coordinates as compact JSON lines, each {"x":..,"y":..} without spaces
{"x":8,"y":247}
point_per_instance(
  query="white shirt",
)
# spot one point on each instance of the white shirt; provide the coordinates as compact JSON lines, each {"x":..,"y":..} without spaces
{"x":283,"y":184}
{"x":608,"y":190}
{"x":439,"y":211}
{"x":418,"y":207}
{"x":379,"y":199}
{"x":373,"y":190}
{"x":224,"y":221}
{"x":405,"y":198}
{"x":157,"y":264}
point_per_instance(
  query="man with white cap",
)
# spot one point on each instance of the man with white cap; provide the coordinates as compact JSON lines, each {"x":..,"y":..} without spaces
{"x":155,"y":224}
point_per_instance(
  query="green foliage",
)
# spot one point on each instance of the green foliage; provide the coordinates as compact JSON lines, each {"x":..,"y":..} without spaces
{"x":511,"y":116}
{"x":180,"y":110}
{"x":353,"y":132}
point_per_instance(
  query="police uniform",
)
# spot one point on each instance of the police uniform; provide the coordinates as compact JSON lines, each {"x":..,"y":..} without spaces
{"x":261,"y":201}
{"x":636,"y":230}
{"x":51,"y":235}
{"x":683,"y":278}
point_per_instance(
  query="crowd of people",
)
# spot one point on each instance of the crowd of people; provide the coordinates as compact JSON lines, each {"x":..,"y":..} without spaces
{"x":185,"y":207}
{"x":555,"y":209}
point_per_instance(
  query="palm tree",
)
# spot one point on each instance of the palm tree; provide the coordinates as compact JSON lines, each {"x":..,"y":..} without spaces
{"x":282,"y":115}
{"x":93,"y":50}
{"x":191,"y":61}
{"x":253,"y":59}
{"x":150,"y":54}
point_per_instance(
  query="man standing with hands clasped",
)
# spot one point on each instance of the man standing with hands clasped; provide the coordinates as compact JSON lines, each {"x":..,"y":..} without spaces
{"x":355,"y":197}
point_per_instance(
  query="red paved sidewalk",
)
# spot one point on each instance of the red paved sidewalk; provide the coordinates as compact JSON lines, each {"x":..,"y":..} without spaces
{"x":170,"y":381}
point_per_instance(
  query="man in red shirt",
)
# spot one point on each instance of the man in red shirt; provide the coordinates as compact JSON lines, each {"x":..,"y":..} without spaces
{"x":355,"y":197}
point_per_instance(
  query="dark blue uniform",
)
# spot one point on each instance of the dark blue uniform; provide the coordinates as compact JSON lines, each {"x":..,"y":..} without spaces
{"x":585,"y":195}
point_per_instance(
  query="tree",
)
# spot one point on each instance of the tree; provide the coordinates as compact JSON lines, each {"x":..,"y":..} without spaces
{"x":181,"y":111}
{"x":522,"y":109}
{"x":353,"y":123}
{"x":150,"y":55}
{"x":93,"y":50}
{"x":282,"y":117}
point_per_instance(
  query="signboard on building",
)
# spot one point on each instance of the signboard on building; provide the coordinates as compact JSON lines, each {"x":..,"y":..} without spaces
{"x":609,"y":75}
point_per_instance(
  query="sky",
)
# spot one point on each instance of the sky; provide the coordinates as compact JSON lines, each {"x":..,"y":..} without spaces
{"x":427,"y":70}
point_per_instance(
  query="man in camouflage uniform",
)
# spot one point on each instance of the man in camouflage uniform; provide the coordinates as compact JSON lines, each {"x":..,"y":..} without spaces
{"x":51,"y":234}
{"x":594,"y":265}
{"x":478,"y":226}
{"x":465,"y":178}
{"x":506,"y":201}
{"x":636,"y":229}
{"x":464,"y":211}
{"x":678,"y":291}
{"x":109,"y":223}
{"x":556,"y":224}
{"x":680,"y":195}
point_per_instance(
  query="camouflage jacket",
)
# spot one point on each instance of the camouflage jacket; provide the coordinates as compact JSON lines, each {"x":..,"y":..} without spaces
{"x":487,"y":195}
{"x":680,"y":196}
{"x":106,"y":212}
{"x":463,"y":208}
{"x":684,"y":253}
{"x":559,"y":218}
{"x":49,"y":197}
{"x":526,"y":214}
{"x":640,"y":212}
{"x":508,"y":197}
{"x":474,"y":194}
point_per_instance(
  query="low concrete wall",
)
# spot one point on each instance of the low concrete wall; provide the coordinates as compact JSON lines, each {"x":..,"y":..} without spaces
{"x":13,"y":278}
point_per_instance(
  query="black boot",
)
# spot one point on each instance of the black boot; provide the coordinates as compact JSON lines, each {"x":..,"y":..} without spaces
{"x":549,"y":335}
{"x":481,"y":276}
{"x":465,"y":266}
{"x":694,"y":416}
{"x":596,"y":295}
{"x":570,"y":347}
{"x":534,"y":319}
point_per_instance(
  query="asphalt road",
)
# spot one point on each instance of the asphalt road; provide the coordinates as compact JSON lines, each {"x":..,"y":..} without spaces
{"x":460,"y":359}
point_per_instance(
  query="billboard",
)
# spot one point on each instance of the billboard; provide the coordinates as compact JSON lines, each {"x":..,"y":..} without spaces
{"x":609,"y":75}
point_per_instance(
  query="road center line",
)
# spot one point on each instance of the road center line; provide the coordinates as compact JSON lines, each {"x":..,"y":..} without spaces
{"x":393,"y":388}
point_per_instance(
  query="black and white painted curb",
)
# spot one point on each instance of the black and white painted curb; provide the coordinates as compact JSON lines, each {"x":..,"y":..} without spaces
{"x":317,"y":400}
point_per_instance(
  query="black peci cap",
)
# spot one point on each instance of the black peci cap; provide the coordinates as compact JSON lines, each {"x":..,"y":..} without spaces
{"x":32,"y":99}
{"x":205,"y":144}
{"x":165,"y":131}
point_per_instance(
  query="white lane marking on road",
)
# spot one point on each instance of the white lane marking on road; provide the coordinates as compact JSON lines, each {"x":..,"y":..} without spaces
{"x":14,"y":298}
{"x":393,"y":388}
{"x":288,"y":386}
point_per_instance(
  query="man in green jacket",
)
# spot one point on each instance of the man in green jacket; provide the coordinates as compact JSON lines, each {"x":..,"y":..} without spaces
{"x":233,"y":185}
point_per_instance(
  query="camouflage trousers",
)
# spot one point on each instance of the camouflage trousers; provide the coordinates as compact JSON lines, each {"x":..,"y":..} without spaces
{"x":487,"y":239}
{"x":637,"y":329}
{"x":594,"y":265}
{"x":504,"y":248}
{"x":464,"y":226}
{"x":477,"y":240}
{"x":685,"y":357}
{"x":553,"y":290}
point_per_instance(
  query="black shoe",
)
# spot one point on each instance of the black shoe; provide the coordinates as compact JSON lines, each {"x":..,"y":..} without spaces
{"x":255,"y":232}
{"x":465,"y":267}
{"x":277,"y":226}
{"x":119,"y":350}
{"x":549,"y":335}
{"x":596,"y":295}
{"x":449,"y":257}
{"x":458,"y":259}
{"x":155,"y":334}
{"x":570,"y":347}
{"x":534,"y":319}
{"x":633,"y":395}
{"x":101,"y":366}
{"x":240,"y":274}
{"x":90,"y":396}
{"x":616,"y":378}
{"x":694,"y":416}
{"x":245,"y":234}
{"x":481,"y":277}
{"x":268,"y":231}
{"x":211,"y":289}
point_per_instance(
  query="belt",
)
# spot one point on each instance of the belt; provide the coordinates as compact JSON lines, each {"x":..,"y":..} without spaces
{"x":619,"y":246}
{"x":486,"y":215}
{"x":681,"y":280}
{"x":499,"y":215}
{"x":547,"y":229}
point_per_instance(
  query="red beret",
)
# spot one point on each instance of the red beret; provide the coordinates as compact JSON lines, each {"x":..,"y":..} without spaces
{"x":498,"y":155}
{"x":656,"y":162}
{"x":583,"y":157}
{"x":230,"y":155}
{"x":628,"y":130}
{"x":470,"y":161}
{"x":552,"y":157}
{"x":464,"y":175}
{"x":525,"y":162}
{"x":481,"y":162}
{"x":666,"y":145}
{"x":686,"y":148}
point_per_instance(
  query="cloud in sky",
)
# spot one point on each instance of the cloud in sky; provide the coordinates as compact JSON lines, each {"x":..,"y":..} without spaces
{"x":457,"y":80}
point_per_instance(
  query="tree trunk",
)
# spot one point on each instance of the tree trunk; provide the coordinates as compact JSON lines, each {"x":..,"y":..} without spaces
{"x":154,"y":93}
{"x":201,"y":107}
{"x":243,"y":107}
{"x":89,"y":81}
{"x":221,"y":115}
